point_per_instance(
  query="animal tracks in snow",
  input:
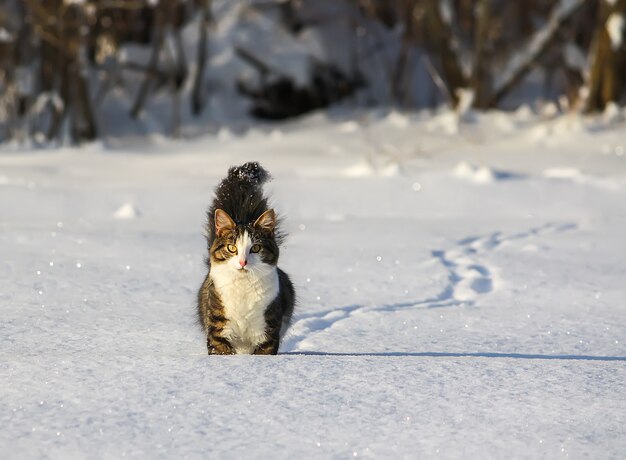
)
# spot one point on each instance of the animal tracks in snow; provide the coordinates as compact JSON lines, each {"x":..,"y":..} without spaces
{"x":469,"y":278}
{"x":468,"y":275}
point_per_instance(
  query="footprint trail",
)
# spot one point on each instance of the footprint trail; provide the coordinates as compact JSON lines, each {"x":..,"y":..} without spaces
{"x":469,"y":279}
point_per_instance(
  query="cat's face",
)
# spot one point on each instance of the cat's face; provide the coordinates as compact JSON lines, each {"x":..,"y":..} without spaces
{"x":245,"y":249}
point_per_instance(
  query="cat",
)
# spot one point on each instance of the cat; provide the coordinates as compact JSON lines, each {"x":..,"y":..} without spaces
{"x":246,"y":302}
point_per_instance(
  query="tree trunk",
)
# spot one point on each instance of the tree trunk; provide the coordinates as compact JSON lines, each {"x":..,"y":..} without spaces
{"x":606,"y":83}
{"x":441,"y":37}
{"x":398,"y":89}
{"x":197,"y":94}
{"x":480,"y":81}
{"x":158,"y":41}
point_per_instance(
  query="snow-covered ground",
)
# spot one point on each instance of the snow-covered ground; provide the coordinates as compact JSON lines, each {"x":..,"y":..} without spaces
{"x":462,"y":293}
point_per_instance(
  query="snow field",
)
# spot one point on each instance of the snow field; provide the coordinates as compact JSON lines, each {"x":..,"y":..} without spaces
{"x":461,"y":294}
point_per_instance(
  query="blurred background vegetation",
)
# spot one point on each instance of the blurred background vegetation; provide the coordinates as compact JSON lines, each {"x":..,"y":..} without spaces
{"x":79,"y":70}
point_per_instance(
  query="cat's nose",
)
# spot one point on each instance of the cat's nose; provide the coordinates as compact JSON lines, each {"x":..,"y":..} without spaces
{"x":243,"y":263}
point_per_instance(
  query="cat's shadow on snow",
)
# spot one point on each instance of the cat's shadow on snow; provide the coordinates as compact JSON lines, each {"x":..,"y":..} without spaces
{"x":462,"y":355}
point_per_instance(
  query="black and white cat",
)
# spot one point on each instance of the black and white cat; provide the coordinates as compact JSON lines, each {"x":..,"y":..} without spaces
{"x":245,"y":302}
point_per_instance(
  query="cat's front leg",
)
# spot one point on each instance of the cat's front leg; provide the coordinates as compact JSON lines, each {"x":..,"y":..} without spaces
{"x":217,"y":345}
{"x":269,"y":347}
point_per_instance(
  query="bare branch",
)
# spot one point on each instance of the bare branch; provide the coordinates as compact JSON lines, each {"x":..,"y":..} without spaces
{"x":522,"y":61}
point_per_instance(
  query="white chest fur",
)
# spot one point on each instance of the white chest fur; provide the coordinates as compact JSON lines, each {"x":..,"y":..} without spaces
{"x":245,"y":297}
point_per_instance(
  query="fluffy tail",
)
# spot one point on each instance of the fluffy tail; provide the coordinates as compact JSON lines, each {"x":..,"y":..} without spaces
{"x":250,"y":174}
{"x":240,"y":194}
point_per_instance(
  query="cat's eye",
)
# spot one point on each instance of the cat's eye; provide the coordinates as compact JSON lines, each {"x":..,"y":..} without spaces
{"x":255,"y":248}
{"x":231,"y":248}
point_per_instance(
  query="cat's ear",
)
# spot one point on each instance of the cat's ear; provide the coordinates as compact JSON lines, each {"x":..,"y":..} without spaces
{"x":223,"y":222}
{"x":267,"y":221}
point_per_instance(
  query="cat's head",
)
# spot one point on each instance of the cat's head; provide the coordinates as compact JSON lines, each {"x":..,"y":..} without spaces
{"x":245,"y":248}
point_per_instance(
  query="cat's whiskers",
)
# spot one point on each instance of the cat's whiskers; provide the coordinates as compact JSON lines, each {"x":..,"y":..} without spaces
{"x":261,"y":269}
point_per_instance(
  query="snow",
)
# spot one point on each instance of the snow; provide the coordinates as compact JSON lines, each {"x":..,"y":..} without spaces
{"x":5,"y":36}
{"x":466,"y":100}
{"x":615,"y":28}
{"x":461,"y":294}
{"x":127,"y":211}
{"x":476,"y":174}
{"x":574,"y":57}
{"x":612,"y":113}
